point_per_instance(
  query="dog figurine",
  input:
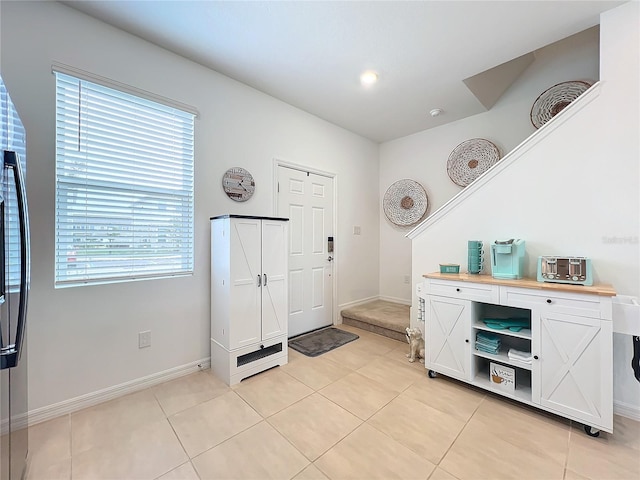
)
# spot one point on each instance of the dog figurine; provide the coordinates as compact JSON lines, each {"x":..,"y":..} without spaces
{"x":416,"y":345}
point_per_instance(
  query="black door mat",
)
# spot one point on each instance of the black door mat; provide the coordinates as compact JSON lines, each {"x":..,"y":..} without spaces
{"x":321,"y":341}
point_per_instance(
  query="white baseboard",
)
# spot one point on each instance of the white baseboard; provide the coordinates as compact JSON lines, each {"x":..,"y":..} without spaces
{"x":402,"y":301}
{"x":55,"y":410}
{"x":362,"y":301}
{"x":626,"y":410}
{"x":356,"y":303}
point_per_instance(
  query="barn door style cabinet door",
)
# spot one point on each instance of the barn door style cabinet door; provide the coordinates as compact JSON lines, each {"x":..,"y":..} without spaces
{"x":575,"y":378}
{"x":249,"y":287}
{"x":448,"y":336}
{"x":566,"y":329}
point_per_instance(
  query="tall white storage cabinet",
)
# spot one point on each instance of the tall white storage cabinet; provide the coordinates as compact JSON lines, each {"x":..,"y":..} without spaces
{"x":249,"y":288}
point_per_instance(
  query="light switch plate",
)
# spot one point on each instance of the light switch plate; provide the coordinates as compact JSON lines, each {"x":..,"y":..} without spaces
{"x":144,"y":339}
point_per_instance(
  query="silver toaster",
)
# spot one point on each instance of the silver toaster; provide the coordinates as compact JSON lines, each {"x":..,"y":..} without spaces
{"x":574,"y":270}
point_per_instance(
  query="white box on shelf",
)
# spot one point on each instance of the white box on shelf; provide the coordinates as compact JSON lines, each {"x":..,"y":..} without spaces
{"x":502,"y":378}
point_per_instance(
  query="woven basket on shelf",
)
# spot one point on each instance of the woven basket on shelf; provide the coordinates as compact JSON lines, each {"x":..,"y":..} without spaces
{"x":405,"y":202}
{"x":471,"y":159}
{"x":555,"y":99}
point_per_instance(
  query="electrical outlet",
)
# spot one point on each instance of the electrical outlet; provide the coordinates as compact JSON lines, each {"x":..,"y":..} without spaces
{"x":356,"y":230}
{"x":144,"y":339}
{"x":407,"y":279}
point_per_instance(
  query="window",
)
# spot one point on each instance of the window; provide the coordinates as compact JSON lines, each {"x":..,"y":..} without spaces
{"x":124,"y":185}
{"x":12,"y":135}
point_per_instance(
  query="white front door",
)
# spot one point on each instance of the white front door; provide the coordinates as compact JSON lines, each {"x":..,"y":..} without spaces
{"x":306,"y":199}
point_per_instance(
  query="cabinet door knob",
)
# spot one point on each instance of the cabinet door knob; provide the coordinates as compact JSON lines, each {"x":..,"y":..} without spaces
{"x":457,"y":289}
{"x":536,"y":357}
{"x":466,"y":340}
{"x":548,"y":300}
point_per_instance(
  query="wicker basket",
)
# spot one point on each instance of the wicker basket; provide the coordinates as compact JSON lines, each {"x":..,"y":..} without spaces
{"x":555,"y":99}
{"x":405,"y":203}
{"x":471,"y":159}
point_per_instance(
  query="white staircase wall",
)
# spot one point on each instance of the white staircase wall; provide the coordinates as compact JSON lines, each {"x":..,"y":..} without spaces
{"x":573,"y":191}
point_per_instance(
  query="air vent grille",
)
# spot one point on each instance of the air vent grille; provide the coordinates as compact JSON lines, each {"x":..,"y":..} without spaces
{"x":258,"y":354}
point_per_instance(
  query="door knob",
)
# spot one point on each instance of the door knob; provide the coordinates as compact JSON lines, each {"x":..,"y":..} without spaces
{"x":330,"y":258}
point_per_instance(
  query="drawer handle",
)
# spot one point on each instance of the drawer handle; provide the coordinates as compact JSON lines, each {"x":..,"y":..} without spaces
{"x":457,"y":289}
{"x":536,"y":357}
{"x":548,"y":300}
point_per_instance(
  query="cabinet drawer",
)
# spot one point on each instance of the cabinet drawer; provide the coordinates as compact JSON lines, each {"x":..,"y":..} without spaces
{"x":566,"y":303}
{"x":477,"y":292}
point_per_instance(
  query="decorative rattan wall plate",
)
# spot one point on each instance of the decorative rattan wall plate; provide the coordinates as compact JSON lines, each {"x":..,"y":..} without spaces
{"x":405,"y":203}
{"x":471,"y":159}
{"x":554,"y":99}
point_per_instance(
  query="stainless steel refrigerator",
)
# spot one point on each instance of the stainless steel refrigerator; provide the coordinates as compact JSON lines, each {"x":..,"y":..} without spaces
{"x":14,"y":290}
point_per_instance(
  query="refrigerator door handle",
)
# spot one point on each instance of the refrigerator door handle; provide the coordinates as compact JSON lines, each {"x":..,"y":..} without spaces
{"x":11,"y":353}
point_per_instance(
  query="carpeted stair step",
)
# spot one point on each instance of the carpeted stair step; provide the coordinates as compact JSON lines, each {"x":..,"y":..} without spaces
{"x":379,"y":316}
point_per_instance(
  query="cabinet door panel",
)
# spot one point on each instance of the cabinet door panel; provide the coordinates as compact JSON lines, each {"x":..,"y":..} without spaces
{"x":449,"y":325}
{"x":575,"y":367}
{"x":245,"y":293}
{"x":274,"y":289}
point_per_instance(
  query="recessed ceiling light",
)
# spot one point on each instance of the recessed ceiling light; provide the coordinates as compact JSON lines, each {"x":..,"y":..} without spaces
{"x":436,"y":111}
{"x":368,"y":78}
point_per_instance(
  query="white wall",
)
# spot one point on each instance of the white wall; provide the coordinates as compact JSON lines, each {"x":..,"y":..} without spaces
{"x":423,"y":156}
{"x":620,"y":123}
{"x":598,"y":149}
{"x":84,"y":339}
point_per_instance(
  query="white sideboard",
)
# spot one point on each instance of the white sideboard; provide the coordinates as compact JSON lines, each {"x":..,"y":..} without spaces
{"x":569,"y":335}
{"x":249,"y":295}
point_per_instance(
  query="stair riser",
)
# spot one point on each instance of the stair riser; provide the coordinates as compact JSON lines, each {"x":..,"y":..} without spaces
{"x":400,"y":336}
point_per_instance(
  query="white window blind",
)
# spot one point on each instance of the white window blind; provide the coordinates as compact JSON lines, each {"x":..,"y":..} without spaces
{"x":124,"y":185}
{"x":12,"y":138}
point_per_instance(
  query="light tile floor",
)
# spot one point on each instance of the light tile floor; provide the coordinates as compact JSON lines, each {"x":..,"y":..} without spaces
{"x":359,"y":412}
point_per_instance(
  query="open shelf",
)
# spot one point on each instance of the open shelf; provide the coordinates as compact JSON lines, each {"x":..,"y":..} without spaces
{"x":502,"y":357}
{"x":524,"y":333}
{"x":522,"y":392}
{"x":520,"y":340}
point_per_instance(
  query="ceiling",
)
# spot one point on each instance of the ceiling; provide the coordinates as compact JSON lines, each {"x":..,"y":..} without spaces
{"x":310,"y":54}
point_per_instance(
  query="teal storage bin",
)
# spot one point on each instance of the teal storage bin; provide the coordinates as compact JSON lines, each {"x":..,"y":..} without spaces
{"x":449,"y":268}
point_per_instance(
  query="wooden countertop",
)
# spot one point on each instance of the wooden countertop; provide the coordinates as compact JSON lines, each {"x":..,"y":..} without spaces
{"x":602,"y":289}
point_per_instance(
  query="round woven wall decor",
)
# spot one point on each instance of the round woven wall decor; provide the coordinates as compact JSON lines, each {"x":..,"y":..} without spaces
{"x":555,"y":99}
{"x":405,"y":202}
{"x":471,"y":159}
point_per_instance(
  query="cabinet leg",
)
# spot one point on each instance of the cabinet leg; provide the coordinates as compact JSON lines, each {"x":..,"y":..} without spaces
{"x":432,"y":374}
{"x":592,"y":432}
